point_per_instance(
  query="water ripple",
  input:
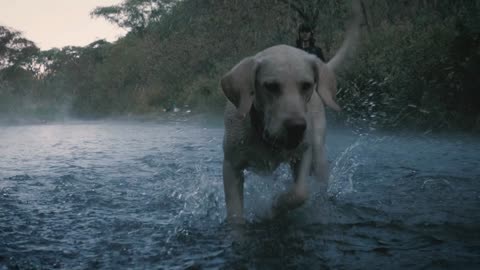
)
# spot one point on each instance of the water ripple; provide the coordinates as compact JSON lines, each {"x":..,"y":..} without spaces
{"x":143,"y":196}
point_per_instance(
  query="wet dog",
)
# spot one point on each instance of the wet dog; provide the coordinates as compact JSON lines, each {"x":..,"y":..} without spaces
{"x":276,"y":114}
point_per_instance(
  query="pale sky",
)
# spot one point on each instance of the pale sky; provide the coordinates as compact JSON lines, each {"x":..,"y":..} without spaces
{"x":58,"y":23}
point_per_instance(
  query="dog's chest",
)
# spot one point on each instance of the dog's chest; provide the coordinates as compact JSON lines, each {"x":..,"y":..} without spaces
{"x":262,"y":159}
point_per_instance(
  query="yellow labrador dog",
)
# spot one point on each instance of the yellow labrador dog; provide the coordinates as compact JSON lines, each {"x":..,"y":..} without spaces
{"x":276,"y":114}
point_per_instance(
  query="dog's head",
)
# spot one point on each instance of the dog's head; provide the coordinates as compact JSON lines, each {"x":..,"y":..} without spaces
{"x":279,"y":82}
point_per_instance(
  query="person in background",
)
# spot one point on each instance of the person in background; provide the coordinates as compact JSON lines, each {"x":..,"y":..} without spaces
{"x":306,"y":41}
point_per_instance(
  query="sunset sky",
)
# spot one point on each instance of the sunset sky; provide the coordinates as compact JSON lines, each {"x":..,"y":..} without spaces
{"x":57,"y":23}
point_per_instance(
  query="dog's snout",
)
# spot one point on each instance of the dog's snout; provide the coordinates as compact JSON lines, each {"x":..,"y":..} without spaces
{"x":296,"y":125}
{"x":295,"y":128}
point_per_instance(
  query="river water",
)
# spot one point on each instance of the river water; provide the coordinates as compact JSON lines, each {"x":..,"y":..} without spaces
{"x":149,"y":195}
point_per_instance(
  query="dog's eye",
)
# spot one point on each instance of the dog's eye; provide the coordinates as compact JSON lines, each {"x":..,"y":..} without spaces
{"x":306,"y":87}
{"x":272,"y":87}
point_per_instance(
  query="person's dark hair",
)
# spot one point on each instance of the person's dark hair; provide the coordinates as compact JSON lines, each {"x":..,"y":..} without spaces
{"x":305,"y":28}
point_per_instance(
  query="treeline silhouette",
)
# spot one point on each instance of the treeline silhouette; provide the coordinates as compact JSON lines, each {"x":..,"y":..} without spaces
{"x":417,"y":64}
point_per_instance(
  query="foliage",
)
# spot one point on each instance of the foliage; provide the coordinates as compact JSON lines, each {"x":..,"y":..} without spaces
{"x":417,"y":72}
{"x":417,"y":64}
{"x":15,"y":51}
{"x":134,"y":15}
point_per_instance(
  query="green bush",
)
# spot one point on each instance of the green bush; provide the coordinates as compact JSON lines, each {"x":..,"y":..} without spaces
{"x":417,"y":64}
{"x":404,"y":76}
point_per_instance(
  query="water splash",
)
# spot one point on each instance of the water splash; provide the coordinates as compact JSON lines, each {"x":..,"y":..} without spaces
{"x":144,"y":196}
{"x":344,"y":168}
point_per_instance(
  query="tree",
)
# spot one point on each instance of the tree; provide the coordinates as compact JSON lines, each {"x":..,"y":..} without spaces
{"x":309,"y":11}
{"x":134,"y":15}
{"x":15,"y":50}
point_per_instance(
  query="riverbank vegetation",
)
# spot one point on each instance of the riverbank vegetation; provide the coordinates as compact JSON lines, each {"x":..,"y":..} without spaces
{"x":417,"y":64}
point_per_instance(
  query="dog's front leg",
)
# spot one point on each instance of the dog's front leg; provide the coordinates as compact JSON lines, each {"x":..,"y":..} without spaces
{"x":320,"y":165}
{"x":298,"y":194}
{"x":319,"y":157}
{"x":233,"y":186}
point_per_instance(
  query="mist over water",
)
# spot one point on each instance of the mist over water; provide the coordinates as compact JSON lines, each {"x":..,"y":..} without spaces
{"x":149,"y":195}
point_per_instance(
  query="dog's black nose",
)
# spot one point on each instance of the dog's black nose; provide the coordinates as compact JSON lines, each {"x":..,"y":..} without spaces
{"x":295,"y":125}
{"x":295,"y":129}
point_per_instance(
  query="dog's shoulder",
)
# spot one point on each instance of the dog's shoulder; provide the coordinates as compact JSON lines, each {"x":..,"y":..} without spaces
{"x":237,"y":128}
{"x":237,"y":134}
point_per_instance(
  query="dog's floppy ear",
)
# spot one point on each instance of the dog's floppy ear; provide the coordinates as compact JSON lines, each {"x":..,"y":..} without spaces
{"x":326,"y":84}
{"x":239,"y":83}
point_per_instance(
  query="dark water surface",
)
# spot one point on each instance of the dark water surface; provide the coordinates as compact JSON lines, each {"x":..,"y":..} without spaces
{"x":129,"y":195}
